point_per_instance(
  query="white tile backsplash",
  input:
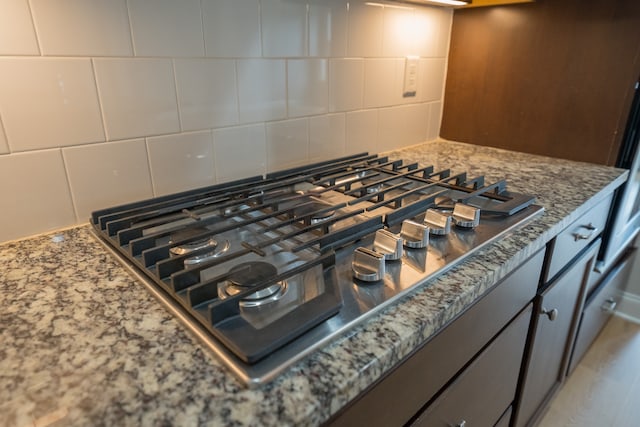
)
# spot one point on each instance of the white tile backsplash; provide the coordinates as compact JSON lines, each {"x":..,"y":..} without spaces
{"x":35,"y":195}
{"x":284,"y":28}
{"x":17,"y":35}
{"x":147,"y":97}
{"x":365,"y":29}
{"x":262,"y":92}
{"x":361,"y":131}
{"x":327,"y":137}
{"x":207,"y":92}
{"x":181,"y":162}
{"x":166,"y":27}
{"x":328,"y":28}
{"x":287,"y":144}
{"x":83,"y":27}
{"x":240,"y":152}
{"x":138,"y":97}
{"x":307,"y":87}
{"x":346,"y":84}
{"x":48,"y":103}
{"x":232,"y":28}
{"x":102,"y":175}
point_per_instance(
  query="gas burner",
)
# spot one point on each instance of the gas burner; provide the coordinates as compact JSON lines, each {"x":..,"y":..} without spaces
{"x":196,"y":245}
{"x":245,"y":276}
{"x":315,"y":210}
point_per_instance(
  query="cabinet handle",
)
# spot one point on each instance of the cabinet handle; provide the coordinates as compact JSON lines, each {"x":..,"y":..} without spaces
{"x":551,"y":314}
{"x":609,"y":305}
{"x":592,"y":230}
{"x":462,"y":423}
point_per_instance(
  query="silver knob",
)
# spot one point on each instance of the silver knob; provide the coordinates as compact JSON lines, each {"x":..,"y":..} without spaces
{"x":367,"y":265}
{"x":609,"y":305}
{"x":438,"y":222}
{"x":466,"y":216}
{"x":551,"y":314}
{"x":388,"y":244}
{"x":414,"y":235}
{"x":462,"y":423}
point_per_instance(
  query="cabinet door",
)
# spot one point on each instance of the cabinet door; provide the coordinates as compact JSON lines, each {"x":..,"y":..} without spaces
{"x":481,"y":394}
{"x":555,"y":319}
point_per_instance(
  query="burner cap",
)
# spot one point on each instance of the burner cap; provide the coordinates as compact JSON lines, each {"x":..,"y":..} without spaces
{"x":249,"y":273}
{"x":311,"y":209}
{"x":246,"y":275}
{"x":191,"y":246}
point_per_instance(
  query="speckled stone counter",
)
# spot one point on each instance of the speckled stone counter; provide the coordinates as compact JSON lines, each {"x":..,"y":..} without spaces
{"x":83,"y":343}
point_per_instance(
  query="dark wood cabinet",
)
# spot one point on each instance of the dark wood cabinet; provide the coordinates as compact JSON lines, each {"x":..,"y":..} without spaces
{"x":486,"y":388}
{"x":556,"y":311}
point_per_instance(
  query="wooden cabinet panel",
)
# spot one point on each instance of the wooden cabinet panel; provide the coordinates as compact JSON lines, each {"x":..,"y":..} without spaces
{"x":480,"y":395}
{"x":555,"y":320}
{"x":550,"y":77}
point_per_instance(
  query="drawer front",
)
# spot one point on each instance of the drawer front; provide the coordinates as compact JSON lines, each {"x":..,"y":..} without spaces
{"x":482,"y":392}
{"x":505,"y":418}
{"x":577,"y":236}
{"x":421,"y":375}
{"x":600,"y":306}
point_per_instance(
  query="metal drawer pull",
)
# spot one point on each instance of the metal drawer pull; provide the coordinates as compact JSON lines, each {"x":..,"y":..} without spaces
{"x":462,"y":423}
{"x":592,"y":228}
{"x":609,"y":305}
{"x":551,"y":314}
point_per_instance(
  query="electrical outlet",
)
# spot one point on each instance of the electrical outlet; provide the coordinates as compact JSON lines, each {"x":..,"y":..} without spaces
{"x":410,"y":87}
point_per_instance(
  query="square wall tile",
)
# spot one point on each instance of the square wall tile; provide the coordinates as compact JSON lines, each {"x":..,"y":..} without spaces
{"x":181,"y":162}
{"x":307,"y":87}
{"x":262,"y":93}
{"x":432,"y":75}
{"x":284,"y":28}
{"x":4,"y":147}
{"x":240,"y":152}
{"x":35,"y":194}
{"x":17,"y":35}
{"x":366,"y":23}
{"x":346,"y":84}
{"x":432,"y":31}
{"x":435,"y":119}
{"x":400,"y":34}
{"x":361,"y":131}
{"x":328,"y":28}
{"x":207,"y":92}
{"x":166,"y":27}
{"x":83,"y":27}
{"x":232,"y":28}
{"x":383,"y":80}
{"x":49,"y":103}
{"x":107,"y":174}
{"x":138,"y":97}
{"x":326,"y":137}
{"x":287,"y":144}
{"x":402,"y":126}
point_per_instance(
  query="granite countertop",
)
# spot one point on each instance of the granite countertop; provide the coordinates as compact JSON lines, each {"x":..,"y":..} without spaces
{"x":83,"y":343}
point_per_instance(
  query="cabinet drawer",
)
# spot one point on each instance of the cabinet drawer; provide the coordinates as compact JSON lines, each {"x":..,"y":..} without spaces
{"x":600,"y":306}
{"x":576,"y":237}
{"x":422,"y":374}
{"x":482,"y":392}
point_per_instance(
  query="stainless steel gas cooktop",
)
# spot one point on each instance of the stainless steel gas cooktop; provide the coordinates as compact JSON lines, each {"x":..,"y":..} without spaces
{"x":266,"y":269}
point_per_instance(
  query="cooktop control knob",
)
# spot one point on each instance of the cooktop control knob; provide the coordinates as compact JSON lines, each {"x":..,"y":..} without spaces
{"x":466,"y":216}
{"x":414,"y":235}
{"x":367,"y":265}
{"x":438,"y":222}
{"x":388,"y":244}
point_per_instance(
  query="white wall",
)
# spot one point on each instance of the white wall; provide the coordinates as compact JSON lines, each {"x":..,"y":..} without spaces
{"x":108,"y":101}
